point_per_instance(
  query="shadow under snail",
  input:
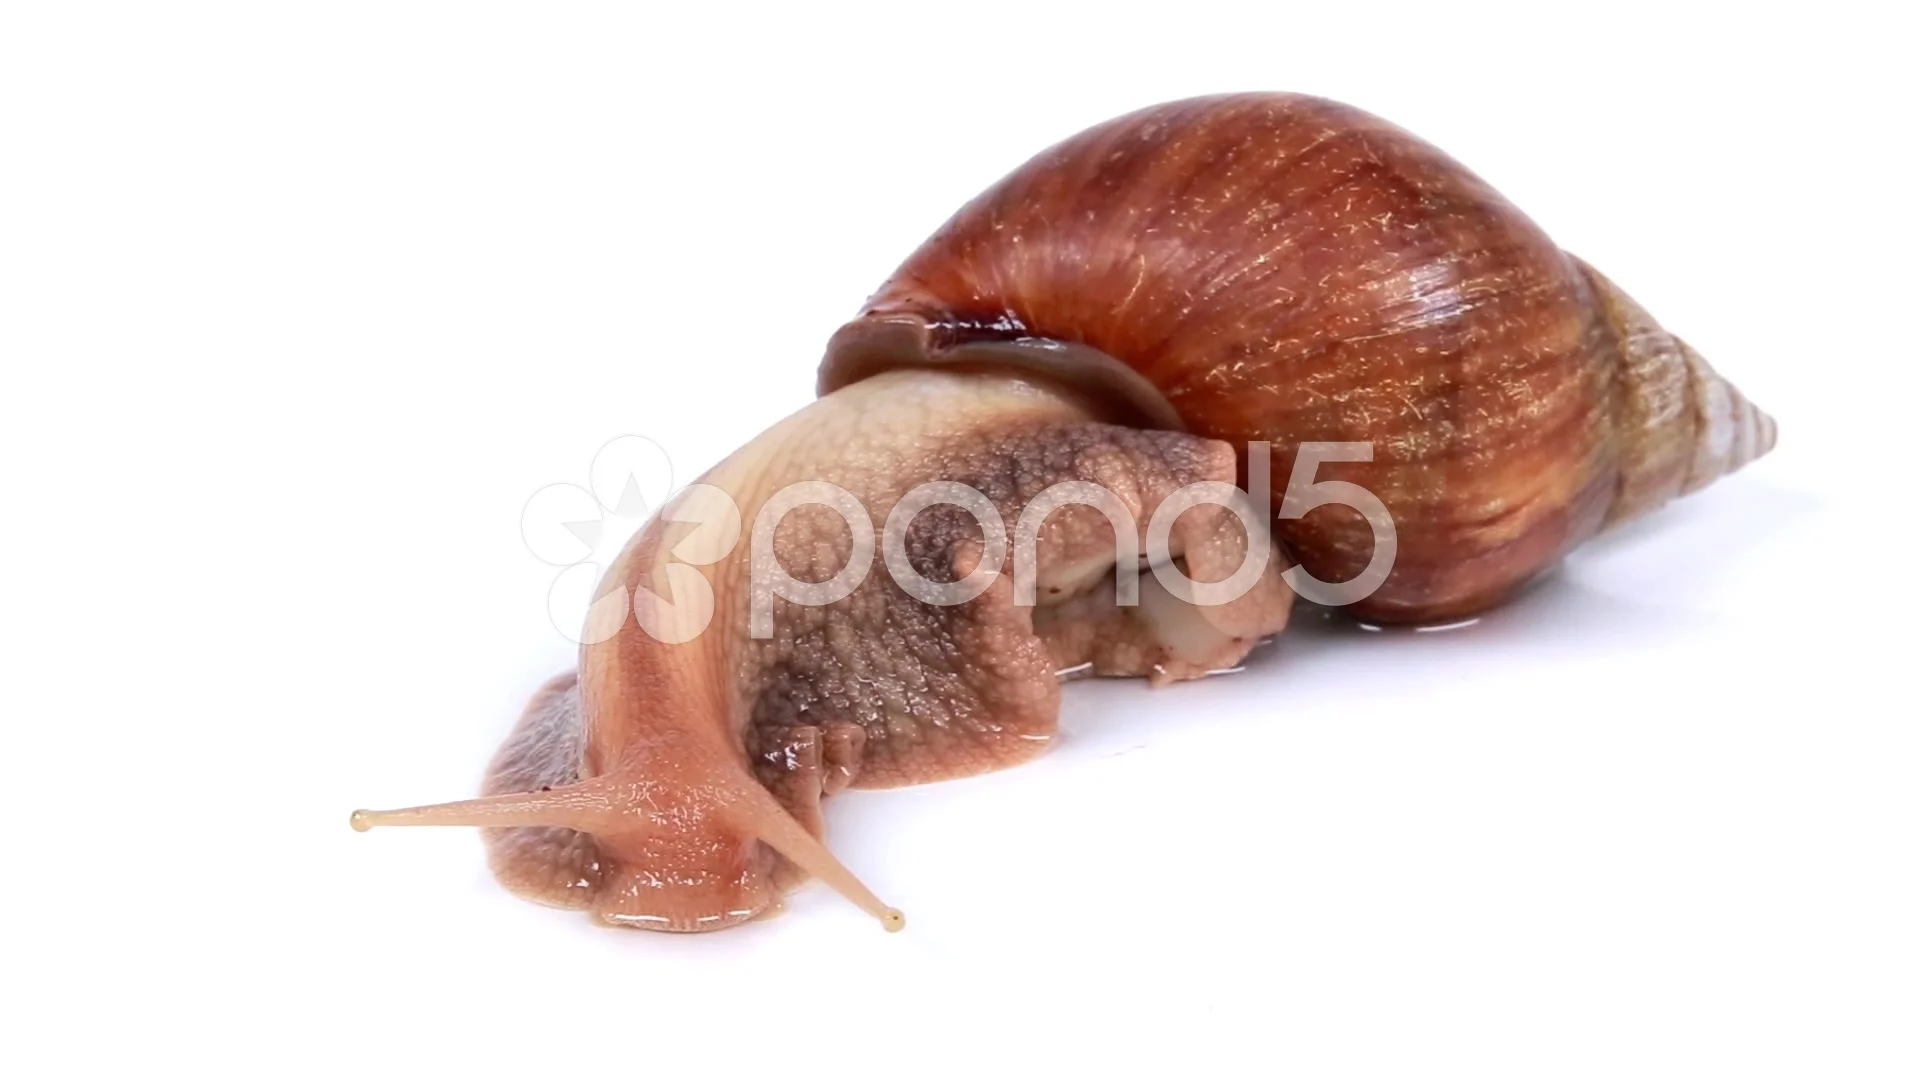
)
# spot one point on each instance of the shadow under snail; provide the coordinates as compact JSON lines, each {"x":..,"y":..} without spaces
{"x":1130,"y":309}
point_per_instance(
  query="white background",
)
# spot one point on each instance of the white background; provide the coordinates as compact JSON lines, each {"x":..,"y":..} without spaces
{"x":299,"y":306}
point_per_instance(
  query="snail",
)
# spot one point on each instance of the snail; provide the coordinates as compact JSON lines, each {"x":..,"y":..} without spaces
{"x":1190,"y":297}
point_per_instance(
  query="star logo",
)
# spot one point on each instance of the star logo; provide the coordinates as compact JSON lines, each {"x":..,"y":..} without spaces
{"x":582,"y":530}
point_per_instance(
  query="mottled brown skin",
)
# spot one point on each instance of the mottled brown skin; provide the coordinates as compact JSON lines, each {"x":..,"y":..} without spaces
{"x":1286,"y":269}
{"x":1257,"y":267}
{"x":679,"y":745}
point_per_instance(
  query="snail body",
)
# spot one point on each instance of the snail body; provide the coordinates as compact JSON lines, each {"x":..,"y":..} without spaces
{"x":674,"y":782}
{"x":1135,"y":310}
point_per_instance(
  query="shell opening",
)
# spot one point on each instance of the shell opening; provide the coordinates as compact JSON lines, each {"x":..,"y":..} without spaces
{"x":874,"y":344}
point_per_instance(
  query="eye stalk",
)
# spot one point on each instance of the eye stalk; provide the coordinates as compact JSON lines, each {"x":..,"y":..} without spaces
{"x":611,"y":807}
{"x":588,"y":806}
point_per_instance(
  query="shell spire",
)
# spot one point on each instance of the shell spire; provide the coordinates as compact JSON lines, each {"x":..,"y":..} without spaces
{"x":1680,"y":425}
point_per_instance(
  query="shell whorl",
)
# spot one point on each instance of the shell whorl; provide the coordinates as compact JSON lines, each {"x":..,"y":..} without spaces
{"x":1284,"y":269}
{"x":1679,"y":424}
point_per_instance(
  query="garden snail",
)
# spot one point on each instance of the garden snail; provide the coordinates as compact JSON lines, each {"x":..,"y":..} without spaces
{"x":1131,"y":309}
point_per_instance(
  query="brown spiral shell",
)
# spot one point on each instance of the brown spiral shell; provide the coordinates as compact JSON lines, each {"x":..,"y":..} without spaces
{"x":1283,"y":268}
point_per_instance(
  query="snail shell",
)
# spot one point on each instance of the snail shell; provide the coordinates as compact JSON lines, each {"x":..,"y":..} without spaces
{"x":1285,"y":269}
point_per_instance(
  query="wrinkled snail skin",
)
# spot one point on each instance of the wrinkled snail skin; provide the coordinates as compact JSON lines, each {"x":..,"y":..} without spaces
{"x":1129,"y":309}
{"x":675,"y":783}
{"x":1287,"y":269}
